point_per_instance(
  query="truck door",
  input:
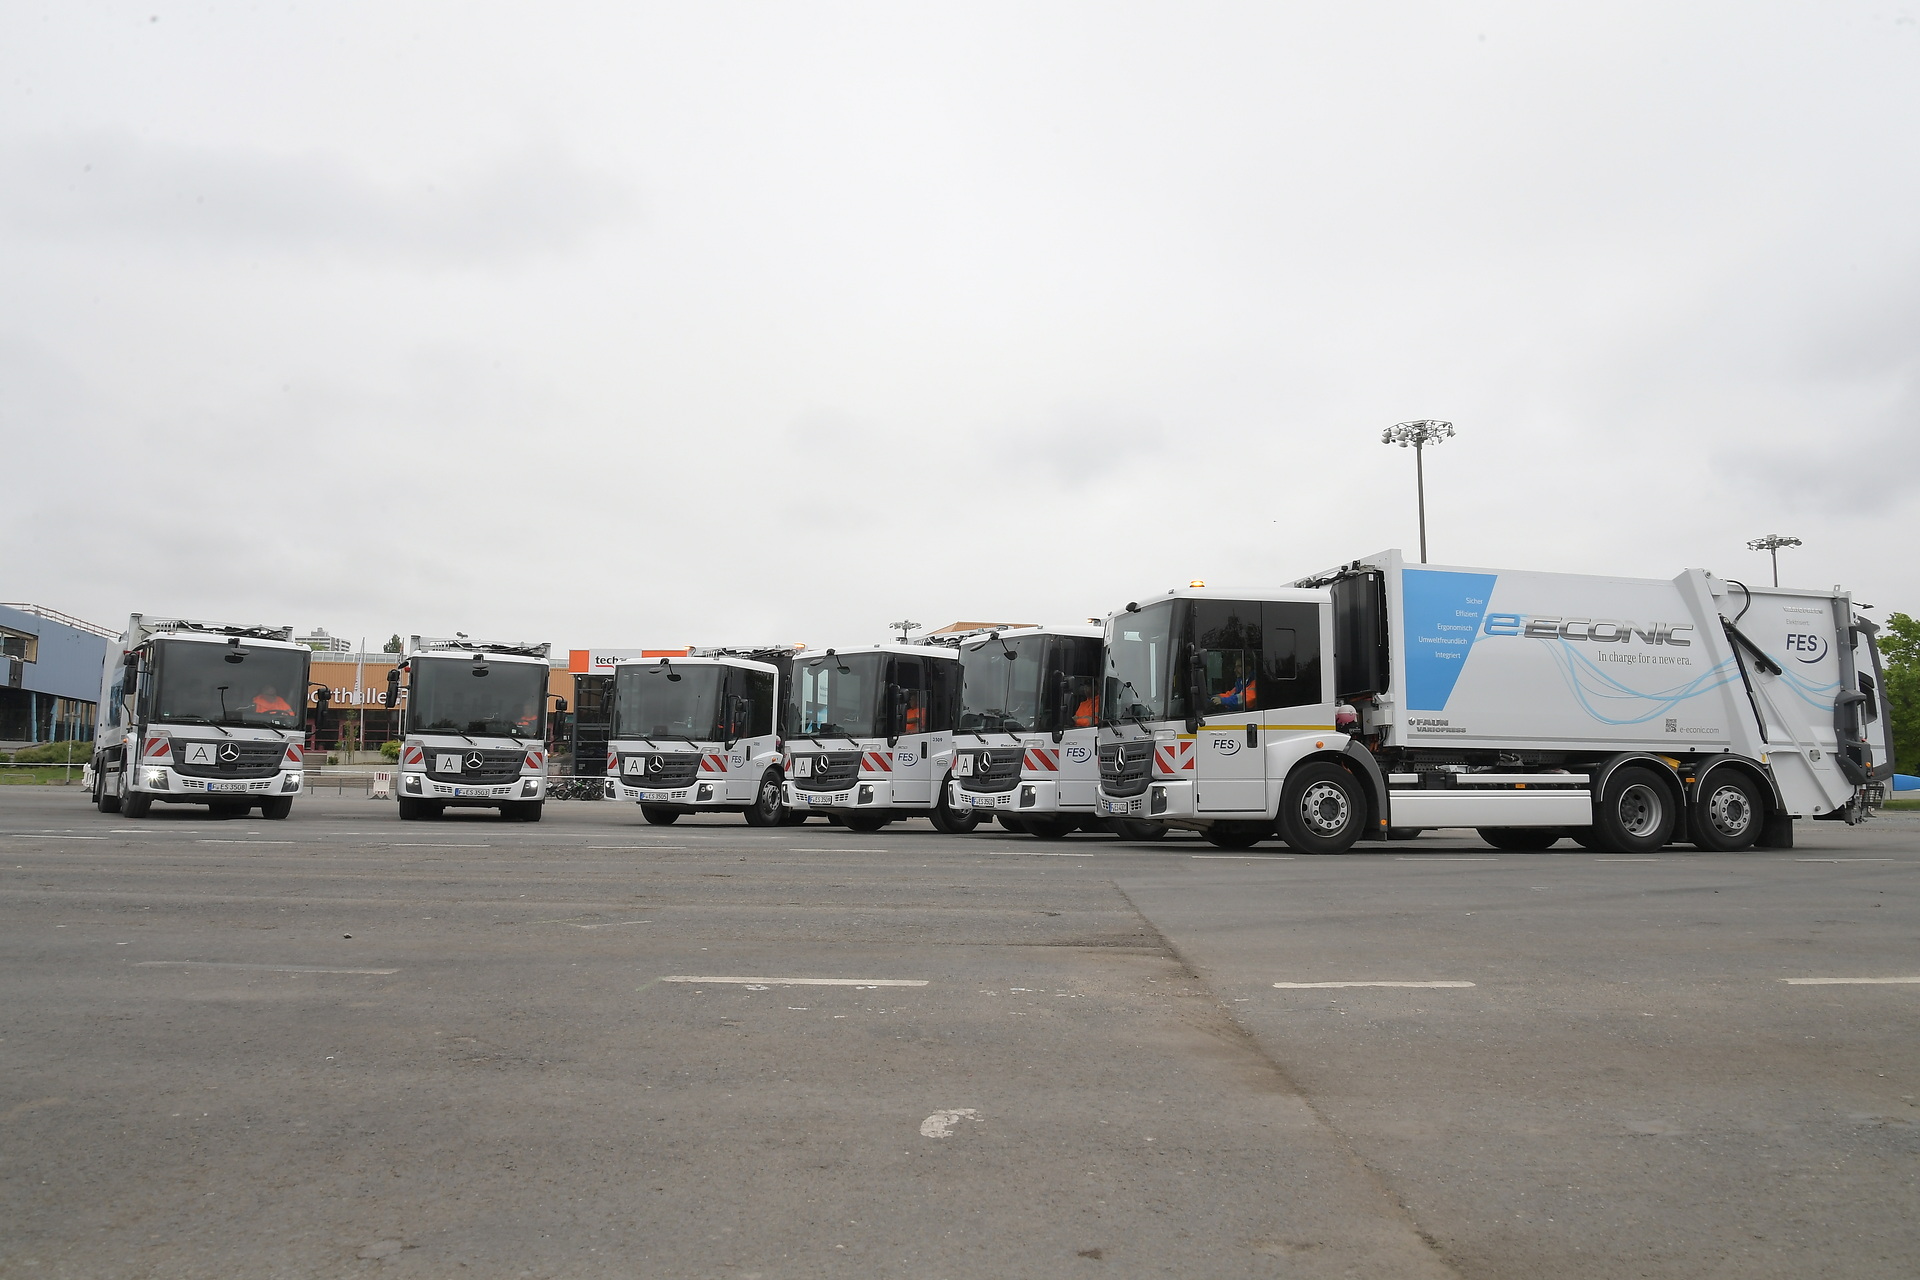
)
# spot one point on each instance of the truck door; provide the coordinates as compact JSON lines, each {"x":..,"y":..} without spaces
{"x":912,"y":772}
{"x":1801,"y":692}
{"x":1875,"y":707}
{"x":753,"y":751}
{"x":1229,"y":765}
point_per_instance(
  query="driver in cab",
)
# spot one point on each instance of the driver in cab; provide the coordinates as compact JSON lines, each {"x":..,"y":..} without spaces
{"x":268,"y":702}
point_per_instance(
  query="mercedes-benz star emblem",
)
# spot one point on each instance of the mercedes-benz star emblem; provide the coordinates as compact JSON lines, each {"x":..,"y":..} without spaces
{"x":984,"y":760}
{"x":228,"y":753}
{"x":475,"y":761}
{"x":656,"y":764}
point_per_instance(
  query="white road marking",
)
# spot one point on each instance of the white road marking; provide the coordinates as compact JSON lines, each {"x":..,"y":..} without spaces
{"x":246,"y":842}
{"x":29,"y":835}
{"x":263,"y":968}
{"x":1440,"y":857}
{"x":811,"y":982}
{"x":860,"y":849}
{"x":631,"y":847}
{"x":436,"y":845}
{"x":940,"y":1123}
{"x":1626,"y":859}
{"x":1329,"y":985}
{"x":1843,"y":859}
{"x":1033,"y":853}
{"x":1844,"y":982}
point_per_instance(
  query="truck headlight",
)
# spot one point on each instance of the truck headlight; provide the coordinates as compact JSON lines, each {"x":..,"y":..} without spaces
{"x":292,"y":783}
{"x":157,"y":779}
{"x":1027,"y":797}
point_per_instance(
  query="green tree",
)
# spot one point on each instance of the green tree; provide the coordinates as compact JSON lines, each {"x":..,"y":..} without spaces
{"x":393,"y":646}
{"x":1900,"y":651}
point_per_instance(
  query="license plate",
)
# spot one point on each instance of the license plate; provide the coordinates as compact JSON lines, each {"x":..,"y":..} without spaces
{"x":226,"y":786}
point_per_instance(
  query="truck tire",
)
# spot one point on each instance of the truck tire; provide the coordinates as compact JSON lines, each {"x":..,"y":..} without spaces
{"x":412,"y":810}
{"x":950,"y":821}
{"x":1016,"y":825}
{"x":1237,"y":835}
{"x":1727,"y":815}
{"x":101,"y":800}
{"x":1321,"y":809}
{"x":526,"y":810}
{"x":866,"y":821}
{"x":1587,"y":838}
{"x":657,"y":816}
{"x":1056,"y":827}
{"x":1636,"y":814}
{"x":1522,"y":839}
{"x":769,"y":807}
{"x":793,"y":819}
{"x":135,"y":804}
{"x":277,"y":808}
{"x":1137,"y":829}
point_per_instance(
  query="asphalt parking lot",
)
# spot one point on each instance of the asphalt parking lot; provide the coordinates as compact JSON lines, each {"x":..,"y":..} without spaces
{"x":340,"y":1045}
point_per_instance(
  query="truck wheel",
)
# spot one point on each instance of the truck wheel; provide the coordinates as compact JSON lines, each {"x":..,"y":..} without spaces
{"x":277,"y":808}
{"x":866,"y":821}
{"x":793,"y":818}
{"x":769,"y":807}
{"x":1727,"y":814}
{"x":412,"y":810}
{"x":528,"y":810}
{"x":1058,"y":827}
{"x":657,"y":816}
{"x":1636,"y":813}
{"x":1237,"y":835}
{"x":1521,"y":839}
{"x":1321,"y":809}
{"x":1016,"y":825}
{"x":949,"y":820}
{"x":1137,"y":829}
{"x":101,"y":800}
{"x":135,"y":804}
{"x":1587,"y":838}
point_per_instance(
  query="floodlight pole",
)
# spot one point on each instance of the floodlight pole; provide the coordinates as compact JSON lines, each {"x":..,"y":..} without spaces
{"x":903,"y":628}
{"x":1419,"y":434}
{"x":1771,"y":544}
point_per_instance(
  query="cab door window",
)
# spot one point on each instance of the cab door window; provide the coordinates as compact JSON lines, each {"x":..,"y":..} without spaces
{"x":910,"y":680}
{"x":1290,"y":655}
{"x":1228,"y":636}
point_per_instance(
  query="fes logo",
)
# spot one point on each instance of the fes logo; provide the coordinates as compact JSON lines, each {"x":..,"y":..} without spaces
{"x":906,"y":757}
{"x":1079,"y":754}
{"x":1226,"y":744}
{"x":1806,"y":647}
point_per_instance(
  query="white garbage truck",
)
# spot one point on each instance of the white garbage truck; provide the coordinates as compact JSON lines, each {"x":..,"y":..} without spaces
{"x":699,"y":734}
{"x":195,"y":712}
{"x":474,"y":731}
{"x":1382,"y":696}
{"x":869,"y":735}
{"x":1025,"y":750}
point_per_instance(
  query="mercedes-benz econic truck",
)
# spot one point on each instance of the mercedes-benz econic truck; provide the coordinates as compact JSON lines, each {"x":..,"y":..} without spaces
{"x":1381,"y":697}
{"x":201,"y":713}
{"x":698,"y":734}
{"x":869,"y":735}
{"x":1024,"y":749}
{"x":475,"y":728}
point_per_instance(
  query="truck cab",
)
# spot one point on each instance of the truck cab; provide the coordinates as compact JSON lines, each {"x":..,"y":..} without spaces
{"x":1025,"y":749}
{"x":1210,"y":704}
{"x":699,"y":735}
{"x":196,"y":712}
{"x":474,"y":731}
{"x":869,"y":735}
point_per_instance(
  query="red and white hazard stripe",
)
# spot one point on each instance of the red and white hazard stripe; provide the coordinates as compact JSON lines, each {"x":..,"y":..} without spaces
{"x":711,"y":763}
{"x":1172,"y":757}
{"x":413,"y":755}
{"x":293,"y":756}
{"x":158,"y":746}
{"x":536,"y":760}
{"x":1042,"y":760}
{"x":876,"y":761}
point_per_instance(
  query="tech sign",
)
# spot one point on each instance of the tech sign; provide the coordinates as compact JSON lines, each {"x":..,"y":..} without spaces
{"x":583,"y":662}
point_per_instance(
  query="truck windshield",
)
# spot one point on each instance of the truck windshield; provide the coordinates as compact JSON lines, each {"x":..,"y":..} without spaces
{"x":1000,"y":685}
{"x":195,"y":683}
{"x":836,"y":696}
{"x":445,"y":695}
{"x":667,"y":700}
{"x":1140,"y":676}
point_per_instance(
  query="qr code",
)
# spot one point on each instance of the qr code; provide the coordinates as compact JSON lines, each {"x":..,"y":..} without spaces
{"x":1673,"y":725}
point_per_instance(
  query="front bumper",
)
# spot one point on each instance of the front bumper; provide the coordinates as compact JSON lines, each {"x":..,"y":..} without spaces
{"x":418,"y":786}
{"x":858,"y":795}
{"x":163,"y":782}
{"x":695,"y":795}
{"x":1161,"y":799}
{"x":1042,"y":795}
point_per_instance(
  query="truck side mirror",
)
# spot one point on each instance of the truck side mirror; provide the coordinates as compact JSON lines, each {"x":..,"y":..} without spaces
{"x":392,"y":698}
{"x":560,"y":705}
{"x":1196,"y":689}
{"x":1062,"y":713}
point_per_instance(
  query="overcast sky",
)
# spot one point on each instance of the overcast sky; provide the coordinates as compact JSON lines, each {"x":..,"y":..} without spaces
{"x":663,"y":324}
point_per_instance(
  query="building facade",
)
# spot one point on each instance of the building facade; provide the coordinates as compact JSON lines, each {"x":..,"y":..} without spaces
{"x":50,"y":668}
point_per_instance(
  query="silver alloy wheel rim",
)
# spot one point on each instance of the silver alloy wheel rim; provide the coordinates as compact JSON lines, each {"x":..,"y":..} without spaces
{"x":1640,"y":810}
{"x":1324,"y":808}
{"x":1729,"y":811}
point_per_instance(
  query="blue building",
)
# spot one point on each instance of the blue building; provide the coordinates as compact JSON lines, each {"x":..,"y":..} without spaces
{"x":50,"y":666}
